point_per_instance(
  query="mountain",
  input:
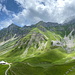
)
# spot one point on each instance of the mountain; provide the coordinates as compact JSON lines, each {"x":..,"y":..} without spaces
{"x":69,"y":26}
{"x":39,"y":49}
{"x":9,"y":32}
{"x":70,"y":19}
{"x":33,"y":49}
{"x":60,"y":29}
{"x":27,"y":29}
{"x":13,"y":31}
{"x":53,"y":27}
{"x":34,"y":43}
{"x":16,"y":31}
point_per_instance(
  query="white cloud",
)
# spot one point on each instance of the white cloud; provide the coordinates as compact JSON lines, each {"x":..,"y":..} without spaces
{"x":35,"y":11}
{"x":5,"y":10}
{"x":5,"y":23}
{"x":56,"y":11}
{"x":45,"y":10}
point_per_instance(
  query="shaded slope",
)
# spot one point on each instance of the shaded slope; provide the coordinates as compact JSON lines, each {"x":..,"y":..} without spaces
{"x":9,"y":32}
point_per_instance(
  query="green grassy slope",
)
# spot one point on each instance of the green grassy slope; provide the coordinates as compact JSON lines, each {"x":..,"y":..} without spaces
{"x":34,"y":55}
{"x":34,"y":44}
{"x":3,"y":69}
{"x":24,"y":68}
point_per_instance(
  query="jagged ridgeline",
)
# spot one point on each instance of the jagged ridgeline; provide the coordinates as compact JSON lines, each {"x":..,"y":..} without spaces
{"x":44,"y":48}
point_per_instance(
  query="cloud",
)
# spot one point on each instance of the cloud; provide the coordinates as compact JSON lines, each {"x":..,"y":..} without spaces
{"x":5,"y":10}
{"x":51,"y":10}
{"x":5,"y":23}
{"x":37,"y":10}
{"x":34,"y":11}
{"x":45,"y":10}
{"x":69,"y":8}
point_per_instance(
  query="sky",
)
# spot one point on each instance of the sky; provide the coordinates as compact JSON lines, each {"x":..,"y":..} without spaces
{"x":28,"y":12}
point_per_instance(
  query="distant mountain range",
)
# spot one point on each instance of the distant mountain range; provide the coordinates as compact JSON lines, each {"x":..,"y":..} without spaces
{"x":14,"y":30}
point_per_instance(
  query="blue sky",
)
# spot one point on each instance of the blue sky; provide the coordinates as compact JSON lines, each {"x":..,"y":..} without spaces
{"x":27,"y":12}
{"x":10,"y":5}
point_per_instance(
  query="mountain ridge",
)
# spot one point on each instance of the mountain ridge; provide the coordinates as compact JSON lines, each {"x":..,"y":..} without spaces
{"x":40,"y":49}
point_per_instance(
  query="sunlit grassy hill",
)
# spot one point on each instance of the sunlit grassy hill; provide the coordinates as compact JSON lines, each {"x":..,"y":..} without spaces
{"x":34,"y":52}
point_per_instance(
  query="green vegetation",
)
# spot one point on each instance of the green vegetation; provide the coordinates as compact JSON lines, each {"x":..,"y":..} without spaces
{"x":3,"y":69}
{"x":33,"y":53}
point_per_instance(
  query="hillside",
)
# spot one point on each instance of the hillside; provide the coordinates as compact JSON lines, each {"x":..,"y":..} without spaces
{"x":37,"y":50}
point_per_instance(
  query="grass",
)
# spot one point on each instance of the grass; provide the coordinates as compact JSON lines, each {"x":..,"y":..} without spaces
{"x":46,"y":61}
{"x":3,"y":69}
{"x":23,"y":68}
